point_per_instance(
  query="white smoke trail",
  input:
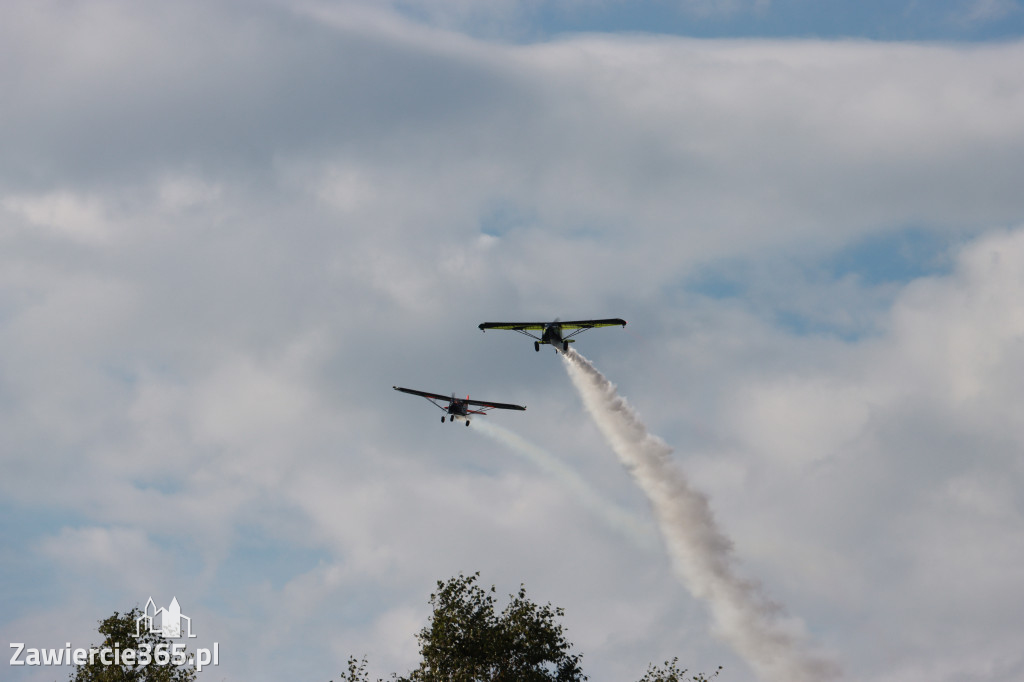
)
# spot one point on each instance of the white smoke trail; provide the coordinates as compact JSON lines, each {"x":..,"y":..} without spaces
{"x":615,"y":518}
{"x":701,"y":554}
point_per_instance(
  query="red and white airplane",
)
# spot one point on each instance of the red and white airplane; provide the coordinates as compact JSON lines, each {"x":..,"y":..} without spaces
{"x":458,"y":407}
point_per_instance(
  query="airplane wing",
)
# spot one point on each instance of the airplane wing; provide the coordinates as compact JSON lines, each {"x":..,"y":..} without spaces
{"x":572,"y":324}
{"x":447,"y":399}
{"x":515,"y":326}
{"x":590,"y":324}
{"x":500,"y":406}
{"x":429,"y":396}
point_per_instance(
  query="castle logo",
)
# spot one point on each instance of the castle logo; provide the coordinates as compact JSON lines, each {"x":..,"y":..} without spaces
{"x":169,"y":622}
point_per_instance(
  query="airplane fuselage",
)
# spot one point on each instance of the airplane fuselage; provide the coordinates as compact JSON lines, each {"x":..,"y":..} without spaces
{"x":552,"y":334}
{"x":458,"y":408}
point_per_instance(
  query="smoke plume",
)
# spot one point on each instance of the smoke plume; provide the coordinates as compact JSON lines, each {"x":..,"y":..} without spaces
{"x":701,"y":554}
{"x":615,"y":518}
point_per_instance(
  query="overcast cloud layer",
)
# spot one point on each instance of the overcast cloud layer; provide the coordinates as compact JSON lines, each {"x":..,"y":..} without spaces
{"x":227,"y":229}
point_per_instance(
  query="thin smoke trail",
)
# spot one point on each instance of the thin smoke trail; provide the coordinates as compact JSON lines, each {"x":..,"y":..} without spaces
{"x":701,"y":554}
{"x":615,"y":518}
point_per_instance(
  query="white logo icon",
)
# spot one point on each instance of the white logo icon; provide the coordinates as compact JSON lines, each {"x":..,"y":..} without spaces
{"x":166,"y":622}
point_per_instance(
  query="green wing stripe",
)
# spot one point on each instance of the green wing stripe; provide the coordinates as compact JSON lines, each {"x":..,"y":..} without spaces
{"x":571,"y":324}
{"x":513,"y":325}
{"x":587,"y":324}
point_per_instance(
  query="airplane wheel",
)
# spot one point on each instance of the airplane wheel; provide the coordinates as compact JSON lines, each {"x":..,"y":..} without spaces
{"x":536,"y":346}
{"x":565,"y":346}
{"x":467,"y":422}
{"x":442,"y":420}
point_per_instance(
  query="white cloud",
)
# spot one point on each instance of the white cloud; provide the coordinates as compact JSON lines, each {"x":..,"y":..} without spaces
{"x":984,"y":11}
{"x":81,"y":218}
{"x":180,"y":193}
{"x":225,"y":237}
{"x":907,"y":443}
{"x":109,"y":557}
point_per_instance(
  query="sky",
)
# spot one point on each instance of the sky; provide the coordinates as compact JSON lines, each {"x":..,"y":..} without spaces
{"x":228,"y":228}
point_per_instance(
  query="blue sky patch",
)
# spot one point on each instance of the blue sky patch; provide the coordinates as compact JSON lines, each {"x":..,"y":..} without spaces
{"x":893,"y":257}
{"x":957,"y":20}
{"x":719,"y":281}
{"x":28,"y":576}
{"x":811,"y":296}
{"x":501,"y":216}
{"x":259,"y":557}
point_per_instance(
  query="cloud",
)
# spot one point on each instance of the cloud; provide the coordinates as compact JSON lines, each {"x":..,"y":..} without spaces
{"x":81,"y":218}
{"x":109,"y":557}
{"x":984,"y":11}
{"x":226,"y":233}
{"x":888,"y":440}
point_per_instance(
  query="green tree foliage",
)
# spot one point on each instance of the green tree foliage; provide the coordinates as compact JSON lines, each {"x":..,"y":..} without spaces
{"x":468,"y":640}
{"x":356,"y":671}
{"x":119,"y":635}
{"x":670,"y":672}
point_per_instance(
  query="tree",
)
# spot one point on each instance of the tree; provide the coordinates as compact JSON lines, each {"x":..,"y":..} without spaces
{"x":467,"y":640}
{"x":670,"y":672}
{"x":119,"y":636}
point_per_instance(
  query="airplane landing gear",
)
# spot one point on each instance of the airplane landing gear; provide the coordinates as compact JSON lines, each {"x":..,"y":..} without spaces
{"x":536,"y":346}
{"x":565,"y":346}
{"x":467,"y":422}
{"x":442,"y":419}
